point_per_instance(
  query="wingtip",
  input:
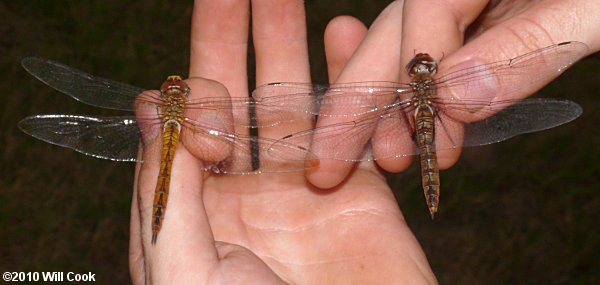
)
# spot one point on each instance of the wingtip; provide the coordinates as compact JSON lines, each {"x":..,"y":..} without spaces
{"x":27,"y":61}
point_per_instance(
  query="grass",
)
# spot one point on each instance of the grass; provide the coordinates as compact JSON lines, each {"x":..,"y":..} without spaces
{"x":523,"y":211}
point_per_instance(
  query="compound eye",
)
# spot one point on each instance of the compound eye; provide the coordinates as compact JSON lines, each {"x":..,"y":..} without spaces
{"x":422,"y":62}
{"x":432,"y":68}
{"x":413,"y":70}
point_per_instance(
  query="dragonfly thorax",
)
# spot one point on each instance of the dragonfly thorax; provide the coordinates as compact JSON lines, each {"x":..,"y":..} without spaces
{"x":423,"y":90}
{"x":175,"y":93}
{"x":172,"y":108}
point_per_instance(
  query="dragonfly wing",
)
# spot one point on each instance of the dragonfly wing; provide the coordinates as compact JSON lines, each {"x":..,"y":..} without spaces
{"x":247,"y":112}
{"x":283,"y":102}
{"x":84,"y":87}
{"x":226,"y":152}
{"x":502,"y":79}
{"x":335,"y":100}
{"x":281,"y":157}
{"x":114,"y":138}
{"x":383,"y":135}
{"x":526,"y":116}
{"x":393,"y":136}
{"x":280,"y":90}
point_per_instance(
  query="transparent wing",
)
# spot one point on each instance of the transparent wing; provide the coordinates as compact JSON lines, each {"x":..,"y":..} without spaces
{"x":114,"y":138}
{"x":527,"y":116}
{"x":484,"y":81}
{"x":117,"y":138}
{"x":280,"y":157}
{"x":354,"y":140}
{"x":342,"y":99}
{"x":107,"y":93}
{"x":207,"y":139}
{"x":510,"y":76}
{"x":84,"y":87}
{"x":268,"y":112}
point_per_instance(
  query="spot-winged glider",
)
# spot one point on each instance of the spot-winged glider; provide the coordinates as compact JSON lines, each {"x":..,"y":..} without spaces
{"x":469,"y":107}
{"x":162,"y":117}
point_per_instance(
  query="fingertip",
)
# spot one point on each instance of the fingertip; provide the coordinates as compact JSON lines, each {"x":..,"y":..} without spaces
{"x":443,"y":34}
{"x":328,"y":173}
{"x":342,"y":37}
{"x":343,"y":28}
{"x":447,"y":158}
{"x":201,"y":123}
{"x":376,"y":56}
{"x":395,"y":164}
{"x":203,"y":87}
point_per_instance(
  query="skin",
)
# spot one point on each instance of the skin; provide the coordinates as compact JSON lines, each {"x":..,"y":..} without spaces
{"x":509,"y":29}
{"x":280,"y":228}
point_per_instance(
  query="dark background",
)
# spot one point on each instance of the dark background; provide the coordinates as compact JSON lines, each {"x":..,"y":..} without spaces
{"x":524,"y":211}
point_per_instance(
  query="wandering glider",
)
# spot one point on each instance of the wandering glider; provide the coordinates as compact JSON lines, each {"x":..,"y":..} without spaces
{"x":379,"y":120}
{"x":164,"y":114}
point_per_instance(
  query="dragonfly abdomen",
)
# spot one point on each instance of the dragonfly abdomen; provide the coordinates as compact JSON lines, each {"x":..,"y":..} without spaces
{"x":425,"y":135}
{"x":170,"y":139}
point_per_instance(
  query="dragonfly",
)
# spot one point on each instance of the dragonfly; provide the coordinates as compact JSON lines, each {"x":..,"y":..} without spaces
{"x":362,"y":121}
{"x":163,"y":118}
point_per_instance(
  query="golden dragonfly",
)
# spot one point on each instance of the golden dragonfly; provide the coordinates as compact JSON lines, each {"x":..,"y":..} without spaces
{"x":163,"y":118}
{"x":362,"y":121}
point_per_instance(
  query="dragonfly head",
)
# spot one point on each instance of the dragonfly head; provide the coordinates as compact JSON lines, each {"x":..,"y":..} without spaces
{"x":174,"y":83}
{"x":421,"y":63}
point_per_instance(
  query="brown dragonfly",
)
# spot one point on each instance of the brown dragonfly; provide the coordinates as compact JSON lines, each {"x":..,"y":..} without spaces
{"x":377,"y":120}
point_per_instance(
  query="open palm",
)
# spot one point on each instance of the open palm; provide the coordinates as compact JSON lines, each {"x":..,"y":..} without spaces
{"x":270,"y":228}
{"x":276,"y":228}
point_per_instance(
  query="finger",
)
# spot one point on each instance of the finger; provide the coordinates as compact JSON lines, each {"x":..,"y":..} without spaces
{"x":218,"y":51}
{"x":281,"y":53}
{"x":533,"y":28}
{"x":343,"y":35}
{"x":185,"y":236}
{"x":442,"y":34}
{"x":552,"y":21}
{"x":136,"y":253}
{"x":280,"y":43}
{"x":219,"y":43}
{"x":439,"y":37}
{"x":196,"y":133}
{"x":169,"y":196}
{"x":376,"y":59}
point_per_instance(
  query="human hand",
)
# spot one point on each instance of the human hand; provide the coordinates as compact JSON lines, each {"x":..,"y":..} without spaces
{"x":460,"y":32}
{"x":268,"y":228}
